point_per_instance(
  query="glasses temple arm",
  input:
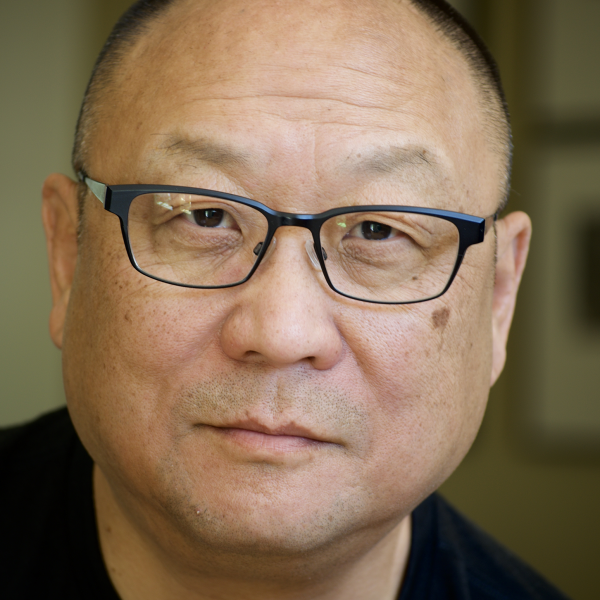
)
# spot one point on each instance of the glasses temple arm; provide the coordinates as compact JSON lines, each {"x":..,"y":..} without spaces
{"x":489,"y":222}
{"x":97,"y":188}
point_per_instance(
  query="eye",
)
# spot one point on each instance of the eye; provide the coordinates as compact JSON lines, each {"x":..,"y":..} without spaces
{"x":211,"y":217}
{"x":372,"y":230}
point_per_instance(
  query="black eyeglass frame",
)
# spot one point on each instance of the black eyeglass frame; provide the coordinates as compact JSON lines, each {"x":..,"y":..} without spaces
{"x":118,"y":198}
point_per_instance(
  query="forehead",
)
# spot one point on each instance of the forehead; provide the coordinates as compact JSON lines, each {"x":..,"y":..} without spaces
{"x":253,"y":84}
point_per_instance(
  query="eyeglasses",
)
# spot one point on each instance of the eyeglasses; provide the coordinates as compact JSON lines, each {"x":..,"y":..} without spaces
{"x":205,"y":239}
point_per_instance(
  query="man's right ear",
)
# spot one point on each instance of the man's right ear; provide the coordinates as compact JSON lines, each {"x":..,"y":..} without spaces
{"x":60,"y":218}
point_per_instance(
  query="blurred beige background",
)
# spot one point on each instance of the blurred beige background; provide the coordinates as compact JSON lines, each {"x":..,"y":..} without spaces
{"x":532,"y":478}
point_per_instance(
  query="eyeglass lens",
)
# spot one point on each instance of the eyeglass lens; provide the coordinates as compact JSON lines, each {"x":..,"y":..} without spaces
{"x":385,"y":256}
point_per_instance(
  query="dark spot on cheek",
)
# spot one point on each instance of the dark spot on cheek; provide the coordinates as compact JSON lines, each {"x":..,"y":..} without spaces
{"x":440,"y":317}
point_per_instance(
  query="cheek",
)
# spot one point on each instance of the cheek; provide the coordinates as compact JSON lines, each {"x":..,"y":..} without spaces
{"x":403,"y":359}
{"x":427,"y":369}
{"x":130,"y":345}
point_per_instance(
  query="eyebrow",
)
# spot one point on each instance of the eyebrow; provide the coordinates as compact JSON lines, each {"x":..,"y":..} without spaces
{"x":207,"y":151}
{"x":398,"y":159}
{"x":408,"y":160}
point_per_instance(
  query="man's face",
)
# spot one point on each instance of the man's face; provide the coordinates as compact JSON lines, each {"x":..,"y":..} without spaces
{"x":305,"y":107}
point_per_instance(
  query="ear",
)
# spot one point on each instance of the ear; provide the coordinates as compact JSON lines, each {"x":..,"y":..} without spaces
{"x":512,"y":238}
{"x":60,"y":218}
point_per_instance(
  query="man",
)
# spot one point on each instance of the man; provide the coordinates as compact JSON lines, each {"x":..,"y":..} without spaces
{"x":267,"y":402}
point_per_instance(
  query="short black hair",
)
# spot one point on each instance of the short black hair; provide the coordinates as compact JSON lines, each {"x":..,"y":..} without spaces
{"x":134,"y":22}
{"x":457,"y":30}
{"x":447,"y":20}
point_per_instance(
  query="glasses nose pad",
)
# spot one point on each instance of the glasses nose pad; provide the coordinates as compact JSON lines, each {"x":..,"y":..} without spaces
{"x":310,"y":250}
{"x":270,"y":249}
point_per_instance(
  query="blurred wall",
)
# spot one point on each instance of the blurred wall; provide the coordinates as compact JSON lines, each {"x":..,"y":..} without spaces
{"x":536,"y":489}
{"x":44,"y":60}
{"x":543,"y":506}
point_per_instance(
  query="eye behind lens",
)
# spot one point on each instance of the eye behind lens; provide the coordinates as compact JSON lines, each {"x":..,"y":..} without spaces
{"x":208,"y":217}
{"x":371,"y":230}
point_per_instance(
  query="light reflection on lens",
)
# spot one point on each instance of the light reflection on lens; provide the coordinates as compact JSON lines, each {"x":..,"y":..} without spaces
{"x":384,"y":256}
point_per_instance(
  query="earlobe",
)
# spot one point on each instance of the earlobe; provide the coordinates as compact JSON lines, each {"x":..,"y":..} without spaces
{"x":513,"y":234}
{"x":60,"y":218}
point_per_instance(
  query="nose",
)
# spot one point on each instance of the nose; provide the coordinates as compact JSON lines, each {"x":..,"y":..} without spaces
{"x":283,"y":315}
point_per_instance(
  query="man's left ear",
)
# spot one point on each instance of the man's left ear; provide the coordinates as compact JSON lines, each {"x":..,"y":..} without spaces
{"x":513,"y":233}
{"x":60,"y":218}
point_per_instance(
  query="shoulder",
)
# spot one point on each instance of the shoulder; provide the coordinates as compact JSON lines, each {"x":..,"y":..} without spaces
{"x":490,"y":570}
{"x":35,"y":462}
{"x":38,"y":464}
{"x":36,"y":443}
{"x":35,"y":465}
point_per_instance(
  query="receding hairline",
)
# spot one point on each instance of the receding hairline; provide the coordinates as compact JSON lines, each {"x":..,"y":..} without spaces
{"x":142,"y":15}
{"x":484,"y":72}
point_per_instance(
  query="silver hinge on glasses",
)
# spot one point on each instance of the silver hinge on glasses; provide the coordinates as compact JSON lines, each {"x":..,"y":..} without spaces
{"x":97,"y":188}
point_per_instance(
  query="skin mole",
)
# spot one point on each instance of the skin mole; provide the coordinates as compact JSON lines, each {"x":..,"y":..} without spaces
{"x":440,"y":316}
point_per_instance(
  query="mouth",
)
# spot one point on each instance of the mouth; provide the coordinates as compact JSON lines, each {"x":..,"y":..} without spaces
{"x":256,"y":438}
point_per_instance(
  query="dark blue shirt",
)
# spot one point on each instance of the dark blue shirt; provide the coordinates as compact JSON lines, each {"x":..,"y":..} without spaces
{"x":49,"y":543}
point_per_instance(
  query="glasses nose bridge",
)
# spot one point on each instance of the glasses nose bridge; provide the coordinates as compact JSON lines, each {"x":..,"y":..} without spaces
{"x":304,"y":221}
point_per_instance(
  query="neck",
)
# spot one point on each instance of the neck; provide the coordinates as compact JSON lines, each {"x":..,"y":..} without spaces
{"x":141,"y":569}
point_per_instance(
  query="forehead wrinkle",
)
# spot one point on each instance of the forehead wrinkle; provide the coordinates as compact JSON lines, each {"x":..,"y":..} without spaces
{"x":394,"y":158}
{"x":412,"y":161}
{"x":206,"y":151}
